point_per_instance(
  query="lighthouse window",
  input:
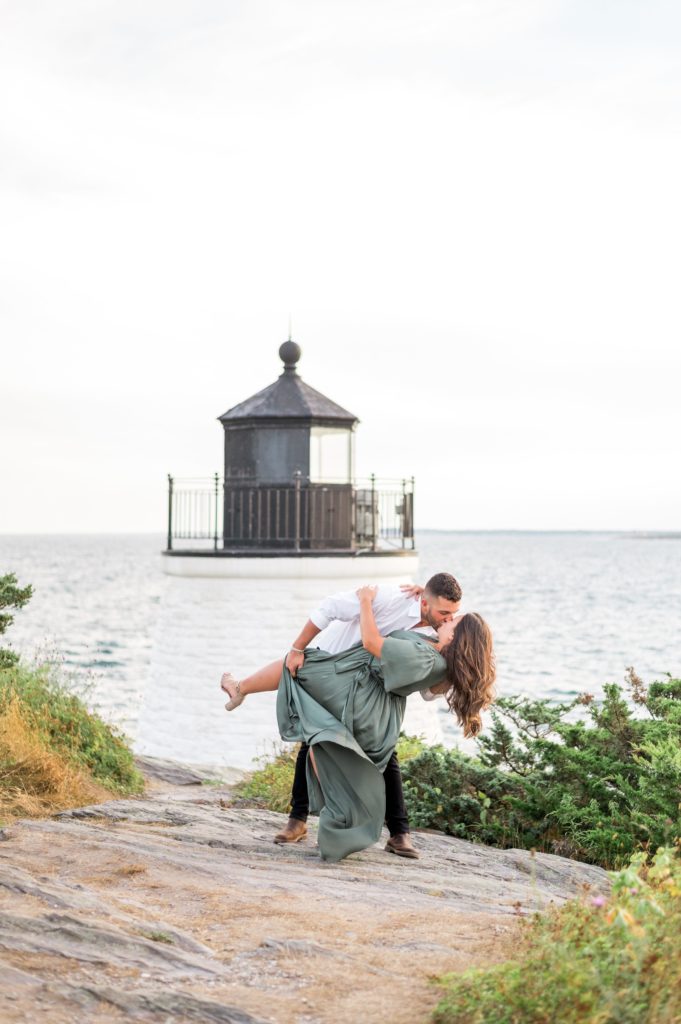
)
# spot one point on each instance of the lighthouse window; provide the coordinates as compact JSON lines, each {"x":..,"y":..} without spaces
{"x":330,"y":455}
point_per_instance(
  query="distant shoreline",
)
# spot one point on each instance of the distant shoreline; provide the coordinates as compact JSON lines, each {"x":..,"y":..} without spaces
{"x":497,"y":531}
{"x":633,"y":535}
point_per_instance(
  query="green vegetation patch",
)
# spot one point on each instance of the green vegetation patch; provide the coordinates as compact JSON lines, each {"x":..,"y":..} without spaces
{"x":597,"y":788}
{"x":11,"y":596}
{"x":593,"y":961}
{"x":63,"y":724}
{"x":161,"y":937}
{"x":54,"y":753}
{"x":270,"y":784}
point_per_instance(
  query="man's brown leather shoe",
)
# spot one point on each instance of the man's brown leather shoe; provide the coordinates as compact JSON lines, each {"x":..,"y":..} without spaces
{"x":292,"y":832}
{"x":402,"y":846}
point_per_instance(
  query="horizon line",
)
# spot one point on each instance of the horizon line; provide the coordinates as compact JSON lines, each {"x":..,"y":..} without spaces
{"x":638,"y":531}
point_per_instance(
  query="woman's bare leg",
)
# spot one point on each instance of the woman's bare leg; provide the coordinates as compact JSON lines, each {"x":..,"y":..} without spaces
{"x":260,"y":682}
{"x":264,"y":679}
{"x":313,"y":762}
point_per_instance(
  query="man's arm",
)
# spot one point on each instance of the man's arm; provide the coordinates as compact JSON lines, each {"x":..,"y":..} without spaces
{"x":344,"y":607}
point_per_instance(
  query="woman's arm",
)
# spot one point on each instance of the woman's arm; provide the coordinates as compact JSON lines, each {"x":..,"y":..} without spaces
{"x":372,"y":640}
{"x":296,"y":654}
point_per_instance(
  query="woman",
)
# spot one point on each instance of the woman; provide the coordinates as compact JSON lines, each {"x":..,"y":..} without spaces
{"x":349,"y":708}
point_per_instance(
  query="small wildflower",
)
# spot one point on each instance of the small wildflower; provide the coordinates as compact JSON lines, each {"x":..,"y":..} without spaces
{"x":598,"y":901}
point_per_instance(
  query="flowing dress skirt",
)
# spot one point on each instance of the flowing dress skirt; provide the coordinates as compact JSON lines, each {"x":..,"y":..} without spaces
{"x":339,"y":706}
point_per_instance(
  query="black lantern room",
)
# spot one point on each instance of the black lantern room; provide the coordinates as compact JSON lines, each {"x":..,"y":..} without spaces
{"x":289,"y":485}
{"x":288,"y":466}
{"x":288,"y":429}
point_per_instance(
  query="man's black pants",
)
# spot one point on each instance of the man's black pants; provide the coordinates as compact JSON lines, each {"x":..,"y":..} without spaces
{"x":395,"y":811}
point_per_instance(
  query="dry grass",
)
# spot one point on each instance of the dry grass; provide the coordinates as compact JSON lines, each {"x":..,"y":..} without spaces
{"x":35,"y":780}
{"x":128,"y":870}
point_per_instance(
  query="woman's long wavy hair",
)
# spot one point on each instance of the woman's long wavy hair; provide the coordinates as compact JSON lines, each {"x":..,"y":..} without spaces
{"x":471,"y":671}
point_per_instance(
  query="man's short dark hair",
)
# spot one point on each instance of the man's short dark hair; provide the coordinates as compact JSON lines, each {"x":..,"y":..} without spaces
{"x":444,"y":585}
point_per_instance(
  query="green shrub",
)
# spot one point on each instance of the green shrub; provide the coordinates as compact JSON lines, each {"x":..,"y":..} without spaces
{"x":270,"y":784}
{"x":409,"y":747}
{"x":597,"y":789}
{"x":11,"y":596}
{"x":593,"y":961}
{"x":453,"y":793}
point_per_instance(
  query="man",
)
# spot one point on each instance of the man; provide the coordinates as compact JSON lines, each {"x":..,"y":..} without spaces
{"x":336,"y":625}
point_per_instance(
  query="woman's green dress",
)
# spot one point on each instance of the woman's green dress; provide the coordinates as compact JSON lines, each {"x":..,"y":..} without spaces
{"x":349,"y":707}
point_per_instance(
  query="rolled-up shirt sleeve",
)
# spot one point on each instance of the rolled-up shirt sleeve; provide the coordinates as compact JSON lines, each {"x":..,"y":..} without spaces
{"x":343,"y":606}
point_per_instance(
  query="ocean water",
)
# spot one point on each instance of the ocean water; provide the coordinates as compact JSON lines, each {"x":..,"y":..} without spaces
{"x":569,"y":611}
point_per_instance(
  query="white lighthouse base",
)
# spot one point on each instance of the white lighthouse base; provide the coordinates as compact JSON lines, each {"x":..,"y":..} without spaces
{"x":238,"y":621}
{"x":356,"y":569}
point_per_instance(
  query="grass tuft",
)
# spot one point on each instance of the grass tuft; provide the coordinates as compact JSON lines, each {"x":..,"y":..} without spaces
{"x":54,"y":753}
{"x":34,"y":779}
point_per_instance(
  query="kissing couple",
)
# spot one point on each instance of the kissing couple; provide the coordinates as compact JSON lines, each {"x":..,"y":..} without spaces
{"x":345,"y":699}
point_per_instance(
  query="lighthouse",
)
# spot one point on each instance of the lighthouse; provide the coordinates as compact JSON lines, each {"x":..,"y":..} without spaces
{"x":250,"y":551}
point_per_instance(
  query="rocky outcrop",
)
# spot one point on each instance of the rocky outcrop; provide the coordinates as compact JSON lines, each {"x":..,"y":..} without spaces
{"x":186,"y":775}
{"x":179,"y":906}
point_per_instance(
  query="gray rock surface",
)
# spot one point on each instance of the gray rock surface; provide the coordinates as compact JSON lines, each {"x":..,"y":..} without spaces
{"x":162,"y":1005}
{"x":179,"y":906}
{"x":185,"y":775}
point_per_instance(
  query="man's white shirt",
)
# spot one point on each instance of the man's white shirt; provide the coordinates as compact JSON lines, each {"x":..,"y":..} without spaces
{"x":338,"y":619}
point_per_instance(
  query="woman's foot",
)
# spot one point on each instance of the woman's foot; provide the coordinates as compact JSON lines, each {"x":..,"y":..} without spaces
{"x":232,"y":688}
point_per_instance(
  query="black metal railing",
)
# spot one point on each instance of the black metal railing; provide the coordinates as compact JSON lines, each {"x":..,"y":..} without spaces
{"x":298,"y":516}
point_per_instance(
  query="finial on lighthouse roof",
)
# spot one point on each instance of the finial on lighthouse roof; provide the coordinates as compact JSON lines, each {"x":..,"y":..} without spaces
{"x":290,"y":353}
{"x":289,"y":398}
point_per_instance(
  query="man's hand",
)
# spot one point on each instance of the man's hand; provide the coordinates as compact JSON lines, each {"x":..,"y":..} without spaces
{"x":294,"y":661}
{"x":411,"y":589}
{"x":367,"y":591}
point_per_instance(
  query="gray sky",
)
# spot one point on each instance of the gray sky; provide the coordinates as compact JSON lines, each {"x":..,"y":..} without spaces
{"x":470,"y":208}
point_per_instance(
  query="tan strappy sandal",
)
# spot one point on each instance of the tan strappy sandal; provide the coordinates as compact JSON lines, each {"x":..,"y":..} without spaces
{"x":236,"y":697}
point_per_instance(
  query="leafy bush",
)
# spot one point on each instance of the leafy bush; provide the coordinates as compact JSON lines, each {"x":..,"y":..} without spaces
{"x":453,"y":793}
{"x":597,"y":788}
{"x":11,"y":596}
{"x":593,"y":961}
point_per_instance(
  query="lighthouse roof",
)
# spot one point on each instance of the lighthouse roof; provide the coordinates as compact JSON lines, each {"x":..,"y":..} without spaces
{"x":290,"y":398}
